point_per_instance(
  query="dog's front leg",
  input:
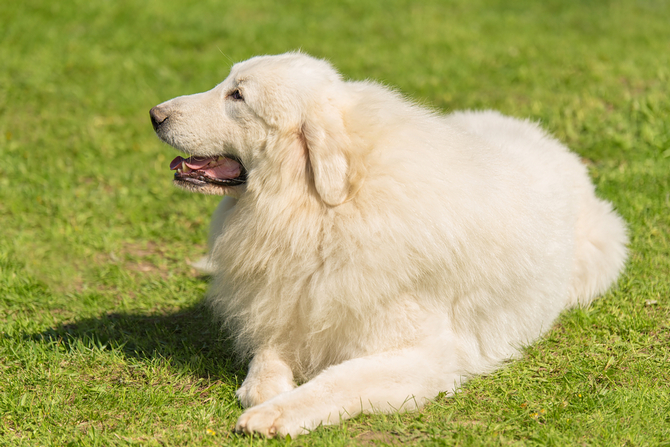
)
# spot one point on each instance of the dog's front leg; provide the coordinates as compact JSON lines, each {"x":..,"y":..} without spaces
{"x":268,"y":376}
{"x":402,"y":380}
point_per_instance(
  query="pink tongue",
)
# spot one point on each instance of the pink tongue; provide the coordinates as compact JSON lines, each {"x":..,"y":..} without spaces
{"x":224,"y":169}
{"x":192,"y":162}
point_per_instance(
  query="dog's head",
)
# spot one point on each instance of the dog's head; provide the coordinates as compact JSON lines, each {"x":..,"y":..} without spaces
{"x":273,"y":119}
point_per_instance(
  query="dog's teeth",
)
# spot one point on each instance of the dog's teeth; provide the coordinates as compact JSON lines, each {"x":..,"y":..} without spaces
{"x":185,"y":168}
{"x":179,"y":170}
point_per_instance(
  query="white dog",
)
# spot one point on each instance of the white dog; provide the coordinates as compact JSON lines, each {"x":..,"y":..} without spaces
{"x":376,"y":252}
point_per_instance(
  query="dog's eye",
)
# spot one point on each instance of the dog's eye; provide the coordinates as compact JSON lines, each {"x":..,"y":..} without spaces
{"x":236,"y":95}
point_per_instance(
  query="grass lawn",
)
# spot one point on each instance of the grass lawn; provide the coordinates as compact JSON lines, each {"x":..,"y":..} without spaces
{"x":103,"y":337}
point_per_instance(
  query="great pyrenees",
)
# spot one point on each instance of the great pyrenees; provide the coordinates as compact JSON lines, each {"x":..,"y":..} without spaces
{"x":371,"y":253}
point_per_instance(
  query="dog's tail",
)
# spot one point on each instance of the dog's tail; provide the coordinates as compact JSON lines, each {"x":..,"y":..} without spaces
{"x":600,"y":251}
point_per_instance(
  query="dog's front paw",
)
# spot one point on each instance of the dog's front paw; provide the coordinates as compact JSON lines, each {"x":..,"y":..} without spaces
{"x":269,"y":420}
{"x":255,"y":391}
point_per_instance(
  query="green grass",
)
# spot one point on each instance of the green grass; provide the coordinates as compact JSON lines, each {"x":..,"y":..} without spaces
{"x":103,"y":340}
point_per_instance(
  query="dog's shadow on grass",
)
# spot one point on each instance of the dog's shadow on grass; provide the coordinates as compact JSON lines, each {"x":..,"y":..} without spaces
{"x":188,"y":339}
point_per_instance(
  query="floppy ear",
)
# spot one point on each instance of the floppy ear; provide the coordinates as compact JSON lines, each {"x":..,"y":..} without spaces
{"x":329,"y":149}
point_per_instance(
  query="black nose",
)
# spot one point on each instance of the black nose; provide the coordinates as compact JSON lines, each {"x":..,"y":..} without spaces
{"x":158,"y":117}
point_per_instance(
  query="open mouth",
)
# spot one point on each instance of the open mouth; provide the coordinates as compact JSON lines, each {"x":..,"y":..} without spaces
{"x":200,"y":171}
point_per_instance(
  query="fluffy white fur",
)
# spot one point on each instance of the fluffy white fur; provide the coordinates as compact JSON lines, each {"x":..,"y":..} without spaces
{"x":380,"y":253}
